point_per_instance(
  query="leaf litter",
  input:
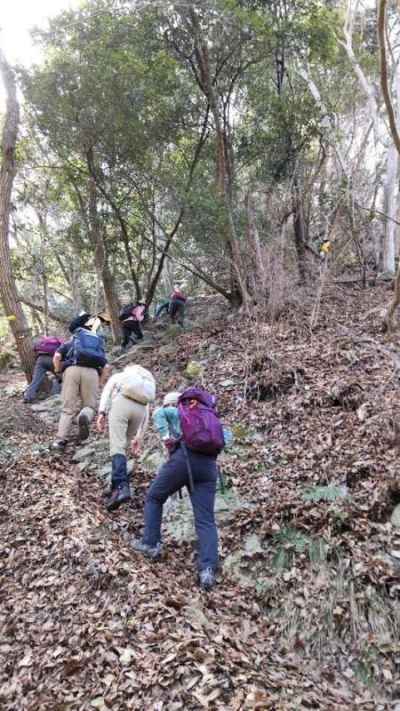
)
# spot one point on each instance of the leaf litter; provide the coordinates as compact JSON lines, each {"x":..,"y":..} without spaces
{"x":310,"y":616}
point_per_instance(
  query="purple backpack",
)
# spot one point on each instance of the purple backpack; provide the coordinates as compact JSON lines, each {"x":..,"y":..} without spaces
{"x":47,"y":345}
{"x":201,"y":428}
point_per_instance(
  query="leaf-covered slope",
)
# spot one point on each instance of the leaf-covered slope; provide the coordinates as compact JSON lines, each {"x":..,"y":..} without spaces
{"x":305,"y":613}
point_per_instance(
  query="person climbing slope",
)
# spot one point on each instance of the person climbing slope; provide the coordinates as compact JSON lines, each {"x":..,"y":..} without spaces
{"x":325,"y":249}
{"x":125,"y":399}
{"x":164,"y":306}
{"x":85,"y":364}
{"x":44,"y":349}
{"x":193,"y":463}
{"x":131,"y":317}
{"x":166,"y":421}
{"x":177,"y":305}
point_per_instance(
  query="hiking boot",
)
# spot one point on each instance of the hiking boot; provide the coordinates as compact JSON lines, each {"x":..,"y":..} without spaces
{"x":118,"y":496}
{"x":83,"y":426}
{"x":59,"y":445}
{"x":152,"y":552}
{"x":207,"y":578}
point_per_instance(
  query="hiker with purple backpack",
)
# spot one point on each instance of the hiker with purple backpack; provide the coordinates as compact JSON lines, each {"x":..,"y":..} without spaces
{"x":44,"y":349}
{"x":193,"y":463}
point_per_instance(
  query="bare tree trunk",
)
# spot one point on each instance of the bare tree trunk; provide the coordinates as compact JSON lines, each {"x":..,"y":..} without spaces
{"x":8,"y":291}
{"x":100,"y":257}
{"x":254,"y":244}
{"x":93,"y":172}
{"x":111,"y":302}
{"x":75,"y":281}
{"x":224,"y":173}
{"x":382,"y":6}
{"x":367,"y":87}
{"x":45,"y":283}
{"x":154,"y":282}
{"x":387,"y":249}
{"x":299,"y":230}
{"x":390,"y":209}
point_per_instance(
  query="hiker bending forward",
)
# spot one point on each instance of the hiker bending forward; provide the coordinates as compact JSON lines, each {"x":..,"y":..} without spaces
{"x":177,"y":305}
{"x":125,"y":399}
{"x":193,"y":464}
{"x":166,"y":421}
{"x":84,"y":363}
{"x":44,"y":349}
{"x":131,"y":318}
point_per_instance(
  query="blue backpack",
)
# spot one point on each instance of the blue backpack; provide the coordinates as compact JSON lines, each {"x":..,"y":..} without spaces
{"x":88,"y":349}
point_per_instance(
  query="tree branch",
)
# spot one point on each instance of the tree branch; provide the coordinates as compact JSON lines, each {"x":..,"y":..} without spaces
{"x":384,"y":73}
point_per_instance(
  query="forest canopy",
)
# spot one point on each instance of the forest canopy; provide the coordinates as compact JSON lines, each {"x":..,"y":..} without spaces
{"x":219,"y":142}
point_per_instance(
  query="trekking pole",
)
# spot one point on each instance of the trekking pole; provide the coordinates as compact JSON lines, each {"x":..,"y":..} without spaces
{"x":189,"y":468}
{"x":221,"y":480}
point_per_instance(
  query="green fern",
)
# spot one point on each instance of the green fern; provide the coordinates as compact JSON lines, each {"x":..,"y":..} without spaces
{"x":290,"y":542}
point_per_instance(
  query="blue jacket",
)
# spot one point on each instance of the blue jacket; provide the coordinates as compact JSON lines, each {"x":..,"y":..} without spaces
{"x":166,"y":421}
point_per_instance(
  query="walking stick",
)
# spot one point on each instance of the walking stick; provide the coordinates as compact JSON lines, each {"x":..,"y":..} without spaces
{"x":189,"y":468}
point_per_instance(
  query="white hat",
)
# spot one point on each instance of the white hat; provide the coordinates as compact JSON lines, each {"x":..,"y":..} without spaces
{"x":171,"y":399}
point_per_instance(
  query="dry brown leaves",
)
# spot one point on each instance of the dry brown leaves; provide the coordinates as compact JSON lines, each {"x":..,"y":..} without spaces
{"x":87,"y":624}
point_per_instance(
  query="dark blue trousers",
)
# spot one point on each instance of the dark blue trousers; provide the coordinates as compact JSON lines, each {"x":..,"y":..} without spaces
{"x":43,"y":365}
{"x":171,"y":477}
{"x":119,"y":472}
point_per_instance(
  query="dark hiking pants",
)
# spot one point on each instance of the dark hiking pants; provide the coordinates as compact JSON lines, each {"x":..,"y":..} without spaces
{"x":171,"y":477}
{"x":119,"y":472}
{"x":129,"y":329}
{"x":162,"y":307}
{"x":177,"y":311}
{"x":43,"y":365}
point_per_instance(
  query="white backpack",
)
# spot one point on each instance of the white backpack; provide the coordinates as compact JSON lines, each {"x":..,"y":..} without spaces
{"x":138,"y":384}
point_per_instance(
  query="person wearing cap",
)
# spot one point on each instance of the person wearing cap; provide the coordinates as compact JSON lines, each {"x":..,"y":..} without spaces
{"x":81,"y":379}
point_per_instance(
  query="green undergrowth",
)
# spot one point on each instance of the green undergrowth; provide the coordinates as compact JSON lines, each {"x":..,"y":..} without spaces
{"x":323,"y":493}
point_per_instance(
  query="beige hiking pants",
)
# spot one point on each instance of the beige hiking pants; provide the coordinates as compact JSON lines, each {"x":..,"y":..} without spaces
{"x":79,"y":390}
{"x":125,"y":418}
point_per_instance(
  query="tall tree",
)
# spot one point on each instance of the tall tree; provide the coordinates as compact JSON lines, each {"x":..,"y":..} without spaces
{"x":382,"y":10}
{"x":9,"y":296}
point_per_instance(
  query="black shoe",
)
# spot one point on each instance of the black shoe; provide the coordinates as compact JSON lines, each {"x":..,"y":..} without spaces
{"x":59,"y":445}
{"x":121,"y":494}
{"x":83,"y":425}
{"x":207,"y":578}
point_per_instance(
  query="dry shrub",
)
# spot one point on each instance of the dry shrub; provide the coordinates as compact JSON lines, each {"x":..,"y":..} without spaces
{"x":275,"y":284}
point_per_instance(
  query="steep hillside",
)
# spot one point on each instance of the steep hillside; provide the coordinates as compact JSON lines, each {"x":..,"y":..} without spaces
{"x":306,"y":611}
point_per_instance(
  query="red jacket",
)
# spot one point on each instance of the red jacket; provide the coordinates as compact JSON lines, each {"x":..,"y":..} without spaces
{"x":177,"y":295}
